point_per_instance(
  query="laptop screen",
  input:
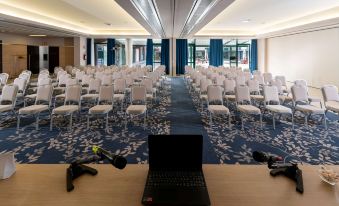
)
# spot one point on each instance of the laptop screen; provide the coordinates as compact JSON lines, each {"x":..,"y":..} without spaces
{"x":175,"y":152}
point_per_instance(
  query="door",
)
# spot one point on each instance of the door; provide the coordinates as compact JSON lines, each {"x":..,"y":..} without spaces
{"x":33,"y":59}
{"x":53,"y":58}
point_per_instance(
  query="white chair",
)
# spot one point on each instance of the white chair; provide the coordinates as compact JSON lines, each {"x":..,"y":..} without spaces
{"x":229,"y":91}
{"x":268,"y":77}
{"x":21,"y":83}
{"x":42,"y":104}
{"x":301,"y":103}
{"x":138,"y":104}
{"x":240,"y":80}
{"x":8,"y":99}
{"x":271,"y":96}
{"x":92,"y":92}
{"x":70,"y":82}
{"x":41,"y":82}
{"x":215,"y":103}
{"x":119,"y":91}
{"x":73,"y":95}
{"x":254,"y":87}
{"x":150,"y":95}
{"x":107,"y":80}
{"x":204,"y":83}
{"x":331,"y":98}
{"x":105,"y":96}
{"x":3,"y":79}
{"x":244,"y":106}
{"x":303,"y":82}
{"x":259,"y":78}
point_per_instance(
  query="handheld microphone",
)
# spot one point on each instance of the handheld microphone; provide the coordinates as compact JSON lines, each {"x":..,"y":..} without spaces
{"x":116,"y":160}
{"x":262,"y":157}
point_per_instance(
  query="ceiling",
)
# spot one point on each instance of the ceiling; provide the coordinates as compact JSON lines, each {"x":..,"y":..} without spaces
{"x":161,"y":18}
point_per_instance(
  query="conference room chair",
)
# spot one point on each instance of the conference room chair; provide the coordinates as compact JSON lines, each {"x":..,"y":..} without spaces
{"x":244,"y":106}
{"x":150,"y":95}
{"x":229,"y":91}
{"x":42,"y":104}
{"x":215,"y":105}
{"x":62,"y":80}
{"x":119,"y":92}
{"x":259,"y":78}
{"x":272,"y":104}
{"x":282,"y":79}
{"x":8,"y":99}
{"x":254,"y":88}
{"x":240,"y":80}
{"x":41,"y":82}
{"x":21,"y":83}
{"x":71,"y":105}
{"x":61,"y":97}
{"x":283,"y":96}
{"x":331,"y":98}
{"x":79,"y":74}
{"x":138,"y":104}
{"x":107,"y":80}
{"x":3,"y":79}
{"x":204,"y":83}
{"x":302,"y":104}
{"x":303,"y":82}
{"x":92,"y":92}
{"x":104,"y":105}
{"x":268,"y":77}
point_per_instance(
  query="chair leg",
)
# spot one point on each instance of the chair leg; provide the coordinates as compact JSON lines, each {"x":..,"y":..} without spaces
{"x":229,"y":120}
{"x":51,"y":124}
{"x":306,"y":121}
{"x":260,"y":121}
{"x":18,"y":122}
{"x":292,"y":122}
{"x":242,"y":121}
{"x":107,"y":123}
{"x":87,"y":122}
{"x":211,"y":123}
{"x":70,"y":121}
{"x":37,"y":122}
{"x":125,"y":121}
{"x":325,"y":124}
{"x":273,"y":116}
{"x":145,"y":116}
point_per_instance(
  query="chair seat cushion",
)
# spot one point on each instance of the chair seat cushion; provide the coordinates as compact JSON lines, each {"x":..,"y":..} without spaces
{"x":33,"y":109}
{"x":60,"y":96}
{"x":333,"y":106}
{"x":100,"y":109}
{"x":31,"y":96}
{"x":136,"y":109}
{"x":230,"y":97}
{"x":5,"y":108}
{"x":257,"y":97}
{"x":149,"y":96}
{"x":218,"y":109}
{"x":118,"y":97}
{"x":279,"y":109}
{"x":65,"y":109}
{"x":203,"y":96}
{"x":310,"y":109}
{"x":89,"y":96}
{"x":285,"y":98}
{"x":314,"y":99}
{"x":249,"y":109}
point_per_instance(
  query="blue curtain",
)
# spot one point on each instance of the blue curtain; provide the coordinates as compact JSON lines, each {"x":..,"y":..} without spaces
{"x":216,"y":52}
{"x":181,"y":55}
{"x":110,"y":52}
{"x":165,"y":52}
{"x":149,"y":52}
{"x":254,"y":55}
{"x":88,"y":51}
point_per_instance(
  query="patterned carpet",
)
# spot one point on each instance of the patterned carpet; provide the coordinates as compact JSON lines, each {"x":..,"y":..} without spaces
{"x":176,"y":112}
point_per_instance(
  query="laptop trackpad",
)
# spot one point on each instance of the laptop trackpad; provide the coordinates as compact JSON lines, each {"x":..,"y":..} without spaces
{"x":198,"y":196}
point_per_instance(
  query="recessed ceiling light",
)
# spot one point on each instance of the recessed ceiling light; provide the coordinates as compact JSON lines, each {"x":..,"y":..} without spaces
{"x":246,"y":20}
{"x":37,"y":35}
{"x":108,"y":24}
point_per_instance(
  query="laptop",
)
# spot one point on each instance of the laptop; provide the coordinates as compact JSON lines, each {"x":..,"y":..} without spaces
{"x":175,"y":175}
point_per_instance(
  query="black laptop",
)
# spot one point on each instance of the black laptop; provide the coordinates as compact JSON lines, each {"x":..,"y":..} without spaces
{"x":175,"y":174}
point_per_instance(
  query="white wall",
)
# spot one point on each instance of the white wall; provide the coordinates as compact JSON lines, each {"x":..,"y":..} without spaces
{"x":313,"y":56}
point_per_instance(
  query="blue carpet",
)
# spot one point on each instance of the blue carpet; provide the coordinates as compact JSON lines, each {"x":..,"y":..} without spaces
{"x":177,"y":112}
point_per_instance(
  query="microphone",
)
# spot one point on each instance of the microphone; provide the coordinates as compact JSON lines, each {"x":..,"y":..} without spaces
{"x":262,"y":157}
{"x":116,"y":160}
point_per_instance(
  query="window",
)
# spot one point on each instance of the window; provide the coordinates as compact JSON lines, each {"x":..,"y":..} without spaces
{"x":202,"y":52}
{"x":191,"y":53}
{"x":120,"y":52}
{"x":139,"y":51}
{"x":100,"y":54}
{"x":236,"y":53}
{"x":156,"y":53}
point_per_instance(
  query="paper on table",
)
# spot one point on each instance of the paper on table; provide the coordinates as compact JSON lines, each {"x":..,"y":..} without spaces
{"x":7,"y":165}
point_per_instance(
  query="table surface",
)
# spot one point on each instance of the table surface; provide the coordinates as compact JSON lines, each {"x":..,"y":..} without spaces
{"x":39,"y":184}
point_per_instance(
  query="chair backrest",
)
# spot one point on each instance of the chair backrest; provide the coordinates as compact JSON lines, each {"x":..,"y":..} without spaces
{"x":240,"y":80}
{"x":282,"y":79}
{"x":330,"y":93}
{"x":278,"y":84}
{"x":63,"y":79}
{"x":301,"y":82}
{"x":259,"y":78}
{"x":3,"y":78}
{"x":204,"y":83}
{"x":299,"y":93}
{"x":79,"y":75}
{"x":138,"y":93}
{"x":242,"y":94}
{"x":253,"y":86}
{"x":86,"y":78}
{"x":21,"y":83}
{"x":106,"y":94}
{"x":148,"y":84}
{"x":44,"y":94}
{"x":44,"y":81}
{"x":94,"y":85}
{"x":73,"y":94}
{"x":214,"y":94}
{"x":71,"y":82}
{"x":119,"y":85}
{"x":229,"y":86}
{"x":9,"y":93}
{"x":107,"y":80}
{"x":271,"y":94}
{"x":268,"y":77}
{"x":219,"y":80}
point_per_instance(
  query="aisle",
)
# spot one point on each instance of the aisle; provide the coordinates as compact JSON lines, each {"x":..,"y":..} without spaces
{"x":185,"y":119}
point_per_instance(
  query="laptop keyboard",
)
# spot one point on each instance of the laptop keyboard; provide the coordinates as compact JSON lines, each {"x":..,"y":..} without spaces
{"x":186,"y":179}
